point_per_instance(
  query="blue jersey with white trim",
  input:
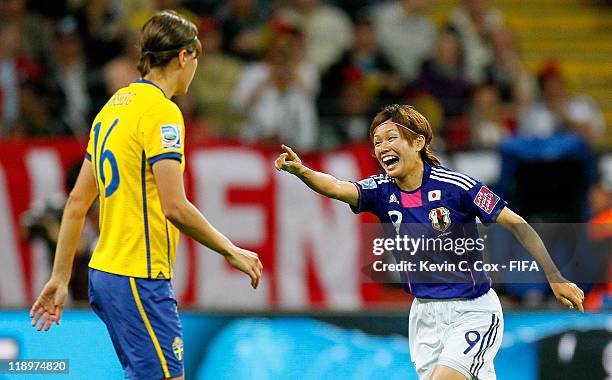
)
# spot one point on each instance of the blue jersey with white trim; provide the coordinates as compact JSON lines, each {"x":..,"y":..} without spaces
{"x":440,"y":219}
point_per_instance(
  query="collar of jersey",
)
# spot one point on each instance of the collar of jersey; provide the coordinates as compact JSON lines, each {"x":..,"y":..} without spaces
{"x":426,"y":171}
{"x":151,"y":83}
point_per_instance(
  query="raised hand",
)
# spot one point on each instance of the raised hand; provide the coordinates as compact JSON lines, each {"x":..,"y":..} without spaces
{"x":247,"y":262}
{"x":288,"y":161}
{"x":49,"y":305}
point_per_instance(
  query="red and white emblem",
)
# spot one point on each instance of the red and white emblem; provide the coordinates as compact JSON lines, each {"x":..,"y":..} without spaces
{"x":486,"y":199}
{"x":434,"y":195}
{"x":440,"y":218}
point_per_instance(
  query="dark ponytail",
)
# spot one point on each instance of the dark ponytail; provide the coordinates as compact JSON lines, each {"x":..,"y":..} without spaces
{"x":428,"y":156}
{"x":162,"y":37}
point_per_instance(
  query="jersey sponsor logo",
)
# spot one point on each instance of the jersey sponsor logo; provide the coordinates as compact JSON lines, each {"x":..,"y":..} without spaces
{"x":368,"y":183}
{"x":434,"y":195}
{"x":393,"y":199}
{"x":440,"y":218}
{"x":486,"y":199}
{"x":177,"y":348}
{"x":170,"y":136}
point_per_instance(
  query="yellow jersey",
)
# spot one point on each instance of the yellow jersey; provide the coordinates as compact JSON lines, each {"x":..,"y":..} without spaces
{"x":137,"y":127}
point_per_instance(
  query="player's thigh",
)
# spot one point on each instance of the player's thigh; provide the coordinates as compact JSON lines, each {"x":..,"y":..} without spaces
{"x":159,"y":315}
{"x":472,"y":343}
{"x":442,"y":372}
{"x":423,"y":338}
{"x":142,"y":317}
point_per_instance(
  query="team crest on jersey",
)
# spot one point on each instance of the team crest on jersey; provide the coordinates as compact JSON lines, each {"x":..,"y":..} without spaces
{"x":368,"y":183}
{"x":170,"y":136}
{"x":393,"y":199}
{"x":486,"y":199}
{"x":177,"y":348}
{"x":440,"y":218}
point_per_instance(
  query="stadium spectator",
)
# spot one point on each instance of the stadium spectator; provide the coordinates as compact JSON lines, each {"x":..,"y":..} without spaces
{"x":557,"y":111}
{"x":137,"y":12}
{"x":278,"y":95}
{"x":405,"y":34}
{"x":363,"y":62}
{"x":443,"y":76}
{"x":327,"y":29}
{"x":507,"y":72}
{"x":487,"y":123}
{"x":214,"y":81}
{"x":490,"y":121}
{"x":242,"y":24}
{"x":42,"y":223}
{"x":600,"y":234}
{"x":72,"y":74}
{"x":15,"y":67}
{"x":36,"y":31}
{"x":36,"y":119}
{"x":120,"y":71}
{"x":352,"y":121}
{"x":101,"y":26}
{"x":475,"y":20}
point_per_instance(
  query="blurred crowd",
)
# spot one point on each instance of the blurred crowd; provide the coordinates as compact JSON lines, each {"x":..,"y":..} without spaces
{"x":309,"y":73}
{"x":312,"y":74}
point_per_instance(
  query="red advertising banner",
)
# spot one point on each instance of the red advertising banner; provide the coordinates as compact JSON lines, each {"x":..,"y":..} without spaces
{"x":310,"y":246}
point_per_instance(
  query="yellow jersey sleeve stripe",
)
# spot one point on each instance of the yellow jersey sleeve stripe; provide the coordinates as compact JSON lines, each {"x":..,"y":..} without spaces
{"x":143,"y":173}
{"x":172,"y":155}
{"x":145,"y":319}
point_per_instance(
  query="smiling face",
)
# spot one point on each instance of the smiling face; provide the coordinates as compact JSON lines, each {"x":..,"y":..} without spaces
{"x":396,"y":153}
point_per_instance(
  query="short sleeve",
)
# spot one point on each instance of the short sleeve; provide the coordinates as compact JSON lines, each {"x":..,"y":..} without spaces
{"x":369,"y":190}
{"x":163,"y":132}
{"x":484,"y":203}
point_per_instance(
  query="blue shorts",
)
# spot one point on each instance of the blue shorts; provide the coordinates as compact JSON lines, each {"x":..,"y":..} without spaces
{"x":143,"y":323}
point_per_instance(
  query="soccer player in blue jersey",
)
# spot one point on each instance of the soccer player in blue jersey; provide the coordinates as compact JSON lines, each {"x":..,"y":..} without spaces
{"x":456,"y":322}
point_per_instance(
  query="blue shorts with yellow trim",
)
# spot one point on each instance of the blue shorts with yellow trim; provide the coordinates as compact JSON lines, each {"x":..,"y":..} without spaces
{"x":142,"y":319}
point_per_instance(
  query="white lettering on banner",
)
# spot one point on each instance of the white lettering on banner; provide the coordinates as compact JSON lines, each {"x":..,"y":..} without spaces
{"x":332,"y":236}
{"x":12,"y":283}
{"x":214,"y":172}
{"x":46,"y":183}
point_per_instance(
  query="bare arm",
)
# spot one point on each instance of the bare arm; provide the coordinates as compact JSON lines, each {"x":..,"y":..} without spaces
{"x":567,"y":292}
{"x":322,"y":183}
{"x":51,"y":301}
{"x":187,"y":218}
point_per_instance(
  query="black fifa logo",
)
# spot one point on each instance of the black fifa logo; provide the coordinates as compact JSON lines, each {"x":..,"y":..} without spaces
{"x":440,"y":218}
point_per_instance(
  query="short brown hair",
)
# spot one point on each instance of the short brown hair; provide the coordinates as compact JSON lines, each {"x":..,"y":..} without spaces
{"x":162,"y":37}
{"x":413,"y":124}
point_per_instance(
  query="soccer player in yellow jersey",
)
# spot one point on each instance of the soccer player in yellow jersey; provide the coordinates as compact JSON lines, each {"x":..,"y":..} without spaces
{"x":134,"y":165}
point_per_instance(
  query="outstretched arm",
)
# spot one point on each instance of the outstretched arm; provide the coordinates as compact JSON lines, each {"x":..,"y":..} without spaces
{"x":322,"y":183}
{"x":50,"y":302}
{"x":187,"y":218}
{"x":567,"y":292}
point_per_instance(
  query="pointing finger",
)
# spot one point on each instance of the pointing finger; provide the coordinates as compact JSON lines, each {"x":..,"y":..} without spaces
{"x":292,"y":154}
